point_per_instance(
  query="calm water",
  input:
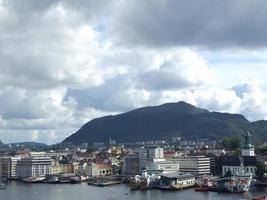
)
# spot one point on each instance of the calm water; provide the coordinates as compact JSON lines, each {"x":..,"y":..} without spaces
{"x":21,"y":191}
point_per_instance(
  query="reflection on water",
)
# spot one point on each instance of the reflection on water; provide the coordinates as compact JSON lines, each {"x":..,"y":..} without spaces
{"x":21,"y":191}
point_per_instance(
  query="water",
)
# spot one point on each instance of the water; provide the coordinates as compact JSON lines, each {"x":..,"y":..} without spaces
{"x":21,"y":191}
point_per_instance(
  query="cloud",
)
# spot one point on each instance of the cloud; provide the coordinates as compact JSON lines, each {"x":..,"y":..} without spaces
{"x":64,"y":63}
{"x":186,"y":69}
{"x":247,"y":99}
{"x":208,"y":23}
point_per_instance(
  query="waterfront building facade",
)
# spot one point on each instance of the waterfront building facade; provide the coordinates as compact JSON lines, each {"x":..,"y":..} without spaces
{"x":246,"y":163}
{"x":147,"y":155}
{"x":33,"y":167}
{"x":8,"y":167}
{"x":197,"y":165}
{"x":92,"y":169}
{"x":239,"y":165}
{"x":131,"y":164}
{"x":163,"y":165}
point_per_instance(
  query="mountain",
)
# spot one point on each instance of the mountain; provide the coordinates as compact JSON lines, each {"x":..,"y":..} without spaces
{"x":166,"y":121}
{"x":30,"y":145}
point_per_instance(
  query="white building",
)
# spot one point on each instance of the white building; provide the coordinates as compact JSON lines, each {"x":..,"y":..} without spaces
{"x":246,"y":163}
{"x":34,"y":166}
{"x":166,"y":166}
{"x":147,"y":155}
{"x":8,"y":165}
{"x":92,"y":169}
{"x":239,"y":165}
{"x":196,"y":165}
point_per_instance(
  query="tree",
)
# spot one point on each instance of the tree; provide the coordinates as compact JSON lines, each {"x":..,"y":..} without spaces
{"x":228,"y":174}
{"x":231,"y":142}
{"x":261,"y":170}
{"x":91,"y":149}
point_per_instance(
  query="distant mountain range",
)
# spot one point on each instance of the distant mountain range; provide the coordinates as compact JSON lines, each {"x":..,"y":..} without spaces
{"x":29,"y":145}
{"x":166,"y":121}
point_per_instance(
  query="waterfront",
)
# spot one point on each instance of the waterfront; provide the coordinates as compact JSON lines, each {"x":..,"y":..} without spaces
{"x":18,"y":190}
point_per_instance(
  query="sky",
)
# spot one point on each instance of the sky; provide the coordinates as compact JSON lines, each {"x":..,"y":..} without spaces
{"x":65,"y":62}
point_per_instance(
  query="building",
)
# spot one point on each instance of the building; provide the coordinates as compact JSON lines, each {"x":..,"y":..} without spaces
{"x":215,"y":166}
{"x":92,"y":169}
{"x":131,"y":165}
{"x":147,"y":155}
{"x":33,"y":166}
{"x":166,"y":166}
{"x":196,"y":165}
{"x":239,"y":165}
{"x":246,"y":163}
{"x":8,"y":166}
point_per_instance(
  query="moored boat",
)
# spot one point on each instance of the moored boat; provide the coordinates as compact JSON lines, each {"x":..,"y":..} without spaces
{"x":33,"y":179}
{"x":233,"y":184}
{"x":260,"y":198}
{"x":2,"y":186}
{"x":134,"y":182}
{"x":201,"y":189}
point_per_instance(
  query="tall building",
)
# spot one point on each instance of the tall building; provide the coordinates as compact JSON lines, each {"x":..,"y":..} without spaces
{"x":197,"y":165}
{"x":147,"y":155}
{"x":8,"y":165}
{"x":166,"y":166}
{"x":131,"y":164}
{"x":33,"y":166}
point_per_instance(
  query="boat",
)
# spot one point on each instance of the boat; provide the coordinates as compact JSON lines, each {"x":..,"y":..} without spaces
{"x":2,"y":186}
{"x":33,"y":179}
{"x":144,"y":184}
{"x":84,"y":178}
{"x":201,"y":189}
{"x":134,"y":182}
{"x":233,"y":184}
{"x":75,"y":179}
{"x":260,"y":198}
{"x":51,"y":179}
{"x":203,"y":184}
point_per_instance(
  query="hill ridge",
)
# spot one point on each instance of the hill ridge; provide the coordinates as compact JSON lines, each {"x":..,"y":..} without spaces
{"x":165,"y":121}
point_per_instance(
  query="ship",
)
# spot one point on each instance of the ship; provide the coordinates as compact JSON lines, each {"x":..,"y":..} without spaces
{"x":203,"y":184}
{"x":2,"y":186}
{"x":232,"y":184}
{"x":134,"y":182}
{"x":260,"y":198}
{"x":33,"y":179}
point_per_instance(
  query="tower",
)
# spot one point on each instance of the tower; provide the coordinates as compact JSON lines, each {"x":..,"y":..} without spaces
{"x":248,"y":149}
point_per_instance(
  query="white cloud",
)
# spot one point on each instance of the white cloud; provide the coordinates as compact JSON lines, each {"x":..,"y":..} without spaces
{"x":62,"y":65}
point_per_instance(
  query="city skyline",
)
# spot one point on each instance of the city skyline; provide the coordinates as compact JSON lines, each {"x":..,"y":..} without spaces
{"x":64,"y":63}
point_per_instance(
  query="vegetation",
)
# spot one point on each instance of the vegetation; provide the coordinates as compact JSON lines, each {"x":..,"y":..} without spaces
{"x":228,"y":174}
{"x":232,"y":143}
{"x":165,"y":121}
{"x":91,"y":149}
{"x":261,"y":171}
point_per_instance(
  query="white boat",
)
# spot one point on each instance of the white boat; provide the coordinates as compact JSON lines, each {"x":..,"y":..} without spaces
{"x":2,"y":186}
{"x":33,"y":179}
{"x":233,"y":184}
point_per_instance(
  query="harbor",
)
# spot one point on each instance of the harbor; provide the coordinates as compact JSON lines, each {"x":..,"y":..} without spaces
{"x":119,"y":192}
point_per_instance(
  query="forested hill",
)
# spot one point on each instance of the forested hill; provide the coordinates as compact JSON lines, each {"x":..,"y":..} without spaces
{"x":165,"y":121}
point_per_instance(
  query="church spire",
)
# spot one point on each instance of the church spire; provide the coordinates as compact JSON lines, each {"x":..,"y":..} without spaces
{"x":248,"y":148}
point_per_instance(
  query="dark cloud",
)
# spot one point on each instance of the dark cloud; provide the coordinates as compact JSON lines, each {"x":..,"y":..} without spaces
{"x":207,"y":23}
